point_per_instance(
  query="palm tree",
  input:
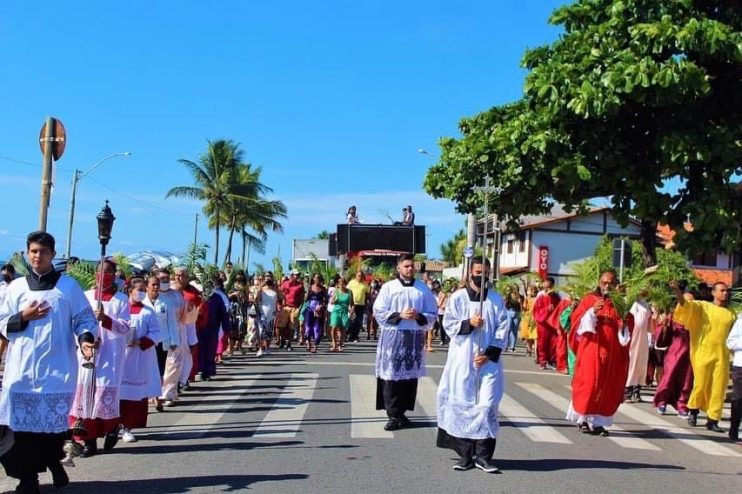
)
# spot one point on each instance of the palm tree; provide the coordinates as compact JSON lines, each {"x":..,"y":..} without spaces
{"x":215,"y":175}
{"x":453,"y":250}
{"x":252,"y":210}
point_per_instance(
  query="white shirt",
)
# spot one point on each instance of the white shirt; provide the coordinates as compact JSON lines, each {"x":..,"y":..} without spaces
{"x":734,"y":342}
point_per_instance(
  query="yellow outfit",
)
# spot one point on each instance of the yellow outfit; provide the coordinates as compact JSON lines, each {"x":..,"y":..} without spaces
{"x":527,"y":324}
{"x":709,"y":327}
{"x":359,"y":290}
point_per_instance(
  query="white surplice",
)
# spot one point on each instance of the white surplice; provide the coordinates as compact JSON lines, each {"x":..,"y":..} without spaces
{"x":41,"y":365}
{"x":141,"y":373}
{"x":459,"y":412}
{"x":109,"y":362}
{"x":400,"y":354}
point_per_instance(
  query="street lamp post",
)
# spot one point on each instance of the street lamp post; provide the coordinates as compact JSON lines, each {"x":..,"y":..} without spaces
{"x":77,"y":175}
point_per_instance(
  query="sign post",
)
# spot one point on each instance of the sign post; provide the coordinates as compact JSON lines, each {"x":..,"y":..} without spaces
{"x":543,"y":261}
{"x":52,"y":140}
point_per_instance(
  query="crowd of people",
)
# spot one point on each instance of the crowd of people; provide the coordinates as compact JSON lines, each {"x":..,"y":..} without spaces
{"x":129,"y":344}
{"x":683,"y":352}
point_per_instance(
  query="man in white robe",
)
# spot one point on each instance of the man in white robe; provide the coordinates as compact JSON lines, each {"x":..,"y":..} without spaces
{"x":472,"y":383}
{"x":44,"y":317}
{"x":405,"y":309}
{"x":173,"y":334}
{"x":638,"y":350}
{"x":98,"y":405}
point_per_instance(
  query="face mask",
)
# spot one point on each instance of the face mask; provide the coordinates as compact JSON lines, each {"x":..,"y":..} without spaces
{"x":164,"y":286}
{"x":477,"y":280}
{"x":139,"y":296}
{"x":105,"y":280}
{"x":7,"y":278}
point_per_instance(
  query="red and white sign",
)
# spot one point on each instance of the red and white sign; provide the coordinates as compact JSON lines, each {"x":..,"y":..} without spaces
{"x":543,"y":261}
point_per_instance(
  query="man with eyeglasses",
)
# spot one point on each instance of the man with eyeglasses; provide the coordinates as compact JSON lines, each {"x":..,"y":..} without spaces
{"x":599,"y":338}
{"x":709,"y":324}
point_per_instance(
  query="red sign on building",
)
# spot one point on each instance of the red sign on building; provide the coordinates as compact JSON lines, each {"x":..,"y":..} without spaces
{"x":543,"y":261}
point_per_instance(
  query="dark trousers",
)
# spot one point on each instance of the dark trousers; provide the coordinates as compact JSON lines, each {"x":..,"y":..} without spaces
{"x":736,"y":401}
{"x":208,"y":340}
{"x":467,"y":448}
{"x":444,"y":336}
{"x":396,"y":397}
{"x":32,"y":453}
{"x":355,"y":325}
{"x":161,"y":358}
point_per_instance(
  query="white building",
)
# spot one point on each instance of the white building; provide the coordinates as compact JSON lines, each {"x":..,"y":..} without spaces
{"x":307,"y":251}
{"x":562,"y":238}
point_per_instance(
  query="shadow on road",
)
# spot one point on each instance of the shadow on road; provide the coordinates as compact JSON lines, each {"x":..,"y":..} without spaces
{"x":170,"y":485}
{"x":554,"y":464}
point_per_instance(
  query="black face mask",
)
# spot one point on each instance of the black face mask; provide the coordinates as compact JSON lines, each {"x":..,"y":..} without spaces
{"x":7,"y":278}
{"x":477,"y":280}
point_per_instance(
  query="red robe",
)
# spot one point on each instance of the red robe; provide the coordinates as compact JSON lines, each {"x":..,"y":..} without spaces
{"x":546,"y":334}
{"x":561,"y":338}
{"x":602,"y":363}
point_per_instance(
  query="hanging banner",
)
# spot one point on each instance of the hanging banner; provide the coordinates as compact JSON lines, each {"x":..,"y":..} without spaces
{"x":543,"y":261}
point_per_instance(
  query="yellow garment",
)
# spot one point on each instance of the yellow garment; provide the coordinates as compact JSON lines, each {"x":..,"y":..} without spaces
{"x":359,"y":290}
{"x":709,"y":327}
{"x":527,"y":324}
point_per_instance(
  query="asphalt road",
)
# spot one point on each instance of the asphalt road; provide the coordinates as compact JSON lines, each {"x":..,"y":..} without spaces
{"x":300,"y":423}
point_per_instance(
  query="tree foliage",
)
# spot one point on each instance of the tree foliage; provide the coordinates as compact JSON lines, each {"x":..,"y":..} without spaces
{"x":634,"y":97}
{"x":232,"y":193}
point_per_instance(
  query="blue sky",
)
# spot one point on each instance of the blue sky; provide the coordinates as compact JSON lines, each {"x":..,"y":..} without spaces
{"x":331,"y":98}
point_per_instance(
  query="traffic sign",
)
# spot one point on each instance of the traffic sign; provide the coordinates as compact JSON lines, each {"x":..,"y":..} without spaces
{"x":58,"y":138}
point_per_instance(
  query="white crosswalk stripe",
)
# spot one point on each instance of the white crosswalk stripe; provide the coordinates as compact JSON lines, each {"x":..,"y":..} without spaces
{"x":427,"y":391}
{"x":618,"y":435}
{"x":284,"y":419}
{"x":366,"y":421}
{"x":529,"y":424}
{"x":685,"y":436}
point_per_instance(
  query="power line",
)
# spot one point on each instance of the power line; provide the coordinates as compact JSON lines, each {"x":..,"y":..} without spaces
{"x":137,"y":199}
{"x":30,"y":163}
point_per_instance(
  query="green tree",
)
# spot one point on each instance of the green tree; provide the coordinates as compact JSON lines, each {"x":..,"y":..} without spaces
{"x":323,"y":235}
{"x":216,"y":182}
{"x":452,"y":251}
{"x":634,"y":96}
{"x":252,"y":214}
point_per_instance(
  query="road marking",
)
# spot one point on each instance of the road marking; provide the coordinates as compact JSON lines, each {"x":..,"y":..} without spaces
{"x":428,"y":366}
{"x":685,"y":436}
{"x":427,"y":397}
{"x":696,"y":441}
{"x":366,"y":422}
{"x":287,"y":413}
{"x":533,"y":427}
{"x":623,"y":439}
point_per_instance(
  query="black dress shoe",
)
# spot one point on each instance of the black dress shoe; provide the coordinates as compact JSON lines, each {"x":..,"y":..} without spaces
{"x":713,"y":426}
{"x":403,"y":420}
{"x":90,"y":449}
{"x":486,"y":465}
{"x":392,"y":425}
{"x":599,"y":431}
{"x":110,"y":441}
{"x":463,"y":465}
{"x":734,"y":435}
{"x":692,"y":418}
{"x":59,"y":476}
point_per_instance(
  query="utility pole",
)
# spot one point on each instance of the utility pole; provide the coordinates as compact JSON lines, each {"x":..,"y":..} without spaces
{"x":195,"y":231}
{"x":52,"y":140}
{"x":75,"y":179}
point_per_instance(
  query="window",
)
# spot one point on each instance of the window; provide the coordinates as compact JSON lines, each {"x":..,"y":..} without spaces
{"x":510,"y":246}
{"x":522,"y":241}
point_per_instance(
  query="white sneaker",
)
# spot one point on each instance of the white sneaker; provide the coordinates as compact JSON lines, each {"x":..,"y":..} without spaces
{"x":67,"y":461}
{"x":128,"y":437}
{"x":260,"y":353}
{"x":169,"y":403}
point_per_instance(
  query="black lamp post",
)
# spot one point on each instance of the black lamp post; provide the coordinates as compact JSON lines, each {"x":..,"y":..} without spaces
{"x":105,"y":225}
